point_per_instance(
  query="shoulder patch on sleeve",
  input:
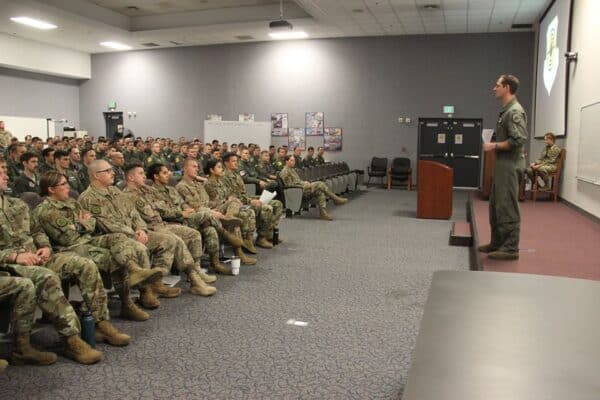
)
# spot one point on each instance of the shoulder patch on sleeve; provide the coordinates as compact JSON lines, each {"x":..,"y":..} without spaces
{"x":96,"y":210}
{"x":139,"y":203}
{"x":61,"y":222}
{"x":243,"y":172}
{"x":517,"y":118}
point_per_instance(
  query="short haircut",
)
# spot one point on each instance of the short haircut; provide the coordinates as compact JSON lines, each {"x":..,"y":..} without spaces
{"x":131,"y":166}
{"x":35,"y":139}
{"x":189,"y":160}
{"x":512,"y":82}
{"x":551,"y":136}
{"x":228,"y":155}
{"x":287,"y":157}
{"x":27,"y":156}
{"x":97,"y":165}
{"x":13,"y":147}
{"x":47,"y":151}
{"x":280,"y":148}
{"x":50,"y":179}
{"x":154,"y":169}
{"x":86,"y":150}
{"x":264,"y":152}
{"x":210,"y":164}
{"x":271,"y":147}
{"x":311,"y":148}
{"x":60,"y":154}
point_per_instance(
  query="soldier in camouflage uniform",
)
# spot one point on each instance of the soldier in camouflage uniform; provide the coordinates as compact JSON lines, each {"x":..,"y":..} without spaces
{"x":70,"y":229}
{"x":203,"y":219}
{"x":279,"y":162}
{"x":196,"y":197}
{"x":511,"y":133}
{"x":267,"y":215}
{"x":189,"y":241}
{"x":229,"y":205}
{"x":114,"y":213}
{"x":546,"y":163}
{"x":25,"y":253}
{"x":318,"y":190}
{"x":5,"y":136}
{"x":21,"y":293}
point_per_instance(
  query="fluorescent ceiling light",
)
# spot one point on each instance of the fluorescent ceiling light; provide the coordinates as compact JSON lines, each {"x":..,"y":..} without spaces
{"x":288,"y":35}
{"x":116,"y":45}
{"x":35,"y":23}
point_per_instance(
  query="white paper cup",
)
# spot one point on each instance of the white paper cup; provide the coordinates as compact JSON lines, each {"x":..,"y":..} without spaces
{"x":235,"y":265}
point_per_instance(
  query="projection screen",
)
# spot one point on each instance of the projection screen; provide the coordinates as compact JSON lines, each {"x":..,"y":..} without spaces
{"x":551,"y":85}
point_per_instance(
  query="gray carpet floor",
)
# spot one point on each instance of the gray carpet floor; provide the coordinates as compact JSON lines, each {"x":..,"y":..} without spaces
{"x":359,"y":282}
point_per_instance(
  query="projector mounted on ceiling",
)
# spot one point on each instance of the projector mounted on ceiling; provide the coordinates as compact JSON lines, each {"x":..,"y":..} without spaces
{"x":280,"y":25}
{"x":282,"y":29}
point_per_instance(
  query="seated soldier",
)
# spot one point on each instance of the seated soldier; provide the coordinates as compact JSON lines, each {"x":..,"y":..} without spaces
{"x":310,"y":160}
{"x":62,"y":164}
{"x":267,"y":215}
{"x":28,"y":181}
{"x":231,"y":206}
{"x":189,"y":241}
{"x":249,"y":173}
{"x":195,"y":197}
{"x":265,"y":168}
{"x":318,"y":190}
{"x":546,"y":164}
{"x":24,"y":253}
{"x":21,"y":293}
{"x":114,"y":213}
{"x":298,"y":158}
{"x":69,"y":227}
{"x":320,"y":156}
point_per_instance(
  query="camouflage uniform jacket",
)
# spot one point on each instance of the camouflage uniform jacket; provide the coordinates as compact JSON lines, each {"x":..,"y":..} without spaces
{"x":217,"y":192}
{"x":248,"y":172}
{"x":112,"y":209}
{"x":60,"y":221}
{"x":235,"y":186}
{"x":150,"y":207}
{"x":265,"y":170}
{"x":193,"y":193}
{"x":290,"y":177}
{"x":5,"y":137}
{"x":16,"y":233}
{"x":549,"y":155}
{"x":170,"y":202}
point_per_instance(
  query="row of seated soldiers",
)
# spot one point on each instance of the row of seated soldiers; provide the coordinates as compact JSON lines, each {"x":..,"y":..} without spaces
{"x":27,"y":161}
{"x":135,"y":236}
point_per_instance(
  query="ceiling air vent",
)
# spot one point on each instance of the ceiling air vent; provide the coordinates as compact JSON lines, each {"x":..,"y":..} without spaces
{"x":150,"y":44}
{"x":244,"y":37}
{"x":522,"y":26}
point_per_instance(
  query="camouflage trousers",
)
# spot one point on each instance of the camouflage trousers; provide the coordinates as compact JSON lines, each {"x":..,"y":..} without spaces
{"x":544,"y":171}
{"x":21,"y":293}
{"x":208,"y":226}
{"x":188,"y":244}
{"x":235,"y":208}
{"x":317,"y":190}
{"x":49,"y":297}
{"x":267,"y":218}
{"x":161,"y":247}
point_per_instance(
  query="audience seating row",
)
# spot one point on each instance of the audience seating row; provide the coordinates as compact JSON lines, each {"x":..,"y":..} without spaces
{"x":400,"y":170}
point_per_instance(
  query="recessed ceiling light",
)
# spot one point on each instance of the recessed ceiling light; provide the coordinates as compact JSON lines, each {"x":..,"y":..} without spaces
{"x":289,"y":35}
{"x":116,"y":45}
{"x":34,"y":23}
{"x":431,"y":7}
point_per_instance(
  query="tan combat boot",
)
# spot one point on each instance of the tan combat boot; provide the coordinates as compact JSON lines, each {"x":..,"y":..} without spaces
{"x":3,"y":365}
{"x":486,"y":248}
{"x":214,"y":260}
{"x":159,"y":288}
{"x":230,"y":222}
{"x":233,"y":239}
{"x":148,"y":299}
{"x":264,"y":243}
{"x":139,"y":275}
{"x":198,"y":286}
{"x":219,"y":267}
{"x":324,"y":215}
{"x":337,"y":200}
{"x":78,"y":350}
{"x":24,"y":353}
{"x":106,"y":332}
{"x":249,"y":245}
{"x":244,"y":259}
{"x":132,"y":312}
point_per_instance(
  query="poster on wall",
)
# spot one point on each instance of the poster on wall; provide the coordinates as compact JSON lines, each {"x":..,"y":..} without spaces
{"x":214,"y":117}
{"x":332,"y":139}
{"x":279,"y":124}
{"x":296,"y":138}
{"x":246,"y":117}
{"x":314,"y":123}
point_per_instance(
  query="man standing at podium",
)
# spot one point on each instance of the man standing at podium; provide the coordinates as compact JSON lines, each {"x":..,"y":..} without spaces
{"x":511,"y":133}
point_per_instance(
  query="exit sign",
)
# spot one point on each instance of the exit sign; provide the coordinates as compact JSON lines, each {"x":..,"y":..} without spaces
{"x":448,"y":109}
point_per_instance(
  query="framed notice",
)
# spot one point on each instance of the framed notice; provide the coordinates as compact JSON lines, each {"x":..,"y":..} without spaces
{"x":246,"y":117}
{"x":314,"y":123}
{"x":332,"y":139}
{"x":279,"y":124}
{"x":296,"y":138}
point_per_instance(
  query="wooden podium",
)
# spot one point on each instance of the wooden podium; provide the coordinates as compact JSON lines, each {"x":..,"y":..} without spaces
{"x":434,"y":190}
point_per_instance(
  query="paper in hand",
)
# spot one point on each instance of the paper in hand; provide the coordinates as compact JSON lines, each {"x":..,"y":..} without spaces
{"x":486,"y":135}
{"x":266,"y":196}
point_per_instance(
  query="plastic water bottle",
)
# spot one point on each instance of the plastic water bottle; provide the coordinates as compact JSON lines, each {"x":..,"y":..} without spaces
{"x":275,"y":236}
{"x":88,"y":329}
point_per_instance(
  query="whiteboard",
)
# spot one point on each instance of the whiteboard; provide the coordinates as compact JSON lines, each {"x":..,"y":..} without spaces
{"x":23,"y":126}
{"x":238,"y":131}
{"x":588,"y":163}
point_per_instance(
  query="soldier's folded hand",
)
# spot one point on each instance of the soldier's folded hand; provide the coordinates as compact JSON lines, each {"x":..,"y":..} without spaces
{"x":27,"y":259}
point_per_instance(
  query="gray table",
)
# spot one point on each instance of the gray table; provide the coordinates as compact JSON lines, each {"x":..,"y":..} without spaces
{"x":494,"y":335}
